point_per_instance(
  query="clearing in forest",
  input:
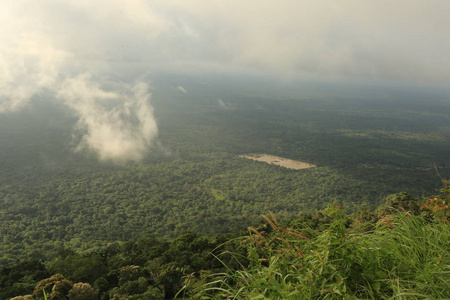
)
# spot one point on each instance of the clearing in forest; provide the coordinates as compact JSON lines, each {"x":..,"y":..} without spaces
{"x":279,"y":161}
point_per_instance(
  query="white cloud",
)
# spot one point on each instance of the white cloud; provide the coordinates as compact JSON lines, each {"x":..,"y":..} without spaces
{"x":117,"y":126}
{"x":47,"y":44}
{"x":373,"y":39}
{"x":377,"y":39}
{"x":27,"y":64}
{"x":182,"y":89}
{"x":39,"y":53}
{"x":224,"y":105}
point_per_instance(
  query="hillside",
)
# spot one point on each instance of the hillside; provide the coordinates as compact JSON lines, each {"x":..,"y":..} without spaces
{"x":400,"y":251}
{"x":51,"y":196}
{"x":224,"y":149}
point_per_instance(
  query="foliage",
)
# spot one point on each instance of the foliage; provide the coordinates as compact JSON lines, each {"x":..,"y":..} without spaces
{"x":55,"y":287}
{"x":406,"y":256}
{"x":400,"y":201}
{"x":161,"y":227}
{"x":321,"y":255}
{"x":21,"y":278}
{"x":52,"y":198}
{"x":82,"y":291}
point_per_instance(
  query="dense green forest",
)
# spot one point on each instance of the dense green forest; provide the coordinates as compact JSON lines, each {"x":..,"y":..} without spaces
{"x":399,"y":251}
{"x":65,"y":212}
{"x":365,"y":149}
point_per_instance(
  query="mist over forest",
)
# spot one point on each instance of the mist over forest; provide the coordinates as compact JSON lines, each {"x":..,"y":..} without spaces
{"x":220,"y":149}
{"x":366,"y":144}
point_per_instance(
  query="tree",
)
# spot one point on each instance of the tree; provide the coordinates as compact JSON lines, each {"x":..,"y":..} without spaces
{"x":56,"y":287}
{"x":399,"y":201}
{"x":82,"y":291}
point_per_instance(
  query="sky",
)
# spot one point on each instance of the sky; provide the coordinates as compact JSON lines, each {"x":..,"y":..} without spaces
{"x":89,"y":54}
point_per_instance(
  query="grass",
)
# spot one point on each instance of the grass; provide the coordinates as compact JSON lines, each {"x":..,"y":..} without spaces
{"x":405,"y":257}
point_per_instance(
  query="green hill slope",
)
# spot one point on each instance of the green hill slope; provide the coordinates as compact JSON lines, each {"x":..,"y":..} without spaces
{"x":398,"y":252}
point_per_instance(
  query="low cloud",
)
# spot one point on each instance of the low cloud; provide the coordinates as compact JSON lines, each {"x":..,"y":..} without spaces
{"x":50,"y":45}
{"x":39,"y":56}
{"x":27,"y":65}
{"x":224,"y":105}
{"x":373,"y":39}
{"x":182,"y":89}
{"x":118,"y":126}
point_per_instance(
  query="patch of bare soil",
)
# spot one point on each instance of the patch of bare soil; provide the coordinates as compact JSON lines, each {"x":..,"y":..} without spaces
{"x":279,"y":161}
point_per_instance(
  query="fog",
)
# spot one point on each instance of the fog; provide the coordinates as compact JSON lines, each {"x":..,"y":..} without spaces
{"x":99,"y":58}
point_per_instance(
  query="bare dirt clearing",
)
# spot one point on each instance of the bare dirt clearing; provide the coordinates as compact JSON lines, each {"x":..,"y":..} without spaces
{"x":279,"y":161}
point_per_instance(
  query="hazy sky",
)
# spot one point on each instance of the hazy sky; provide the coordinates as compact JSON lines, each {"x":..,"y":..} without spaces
{"x":373,"y":38}
{"x":74,"y":48}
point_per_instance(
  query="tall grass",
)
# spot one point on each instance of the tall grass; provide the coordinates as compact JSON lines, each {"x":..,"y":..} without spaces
{"x":405,"y":257}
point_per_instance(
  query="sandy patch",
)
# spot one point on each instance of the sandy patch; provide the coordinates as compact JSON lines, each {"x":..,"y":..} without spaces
{"x":279,"y":161}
